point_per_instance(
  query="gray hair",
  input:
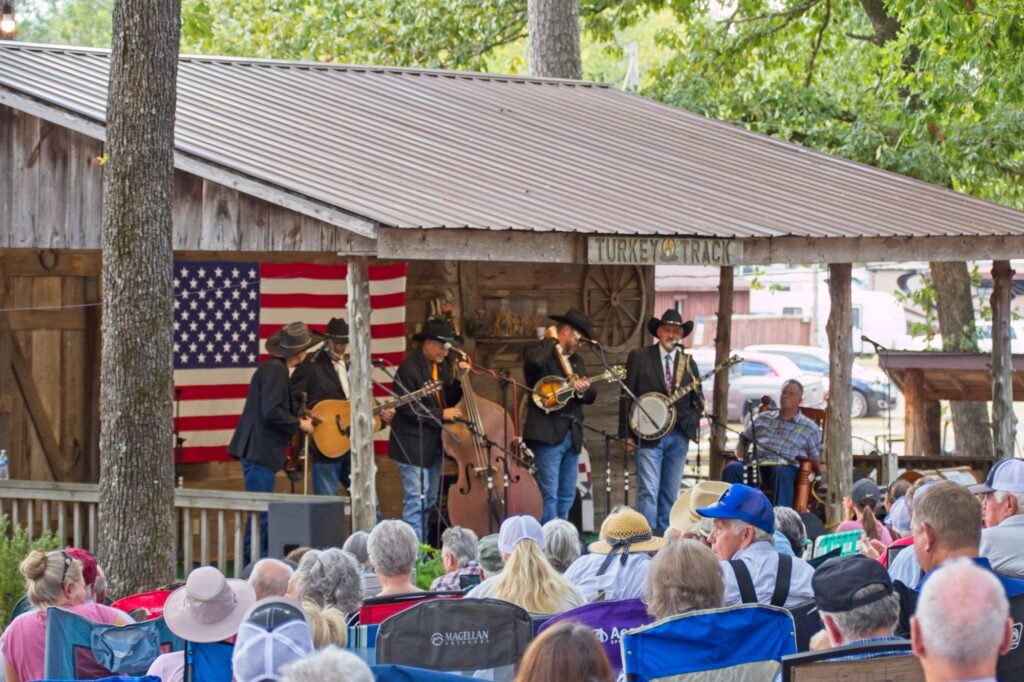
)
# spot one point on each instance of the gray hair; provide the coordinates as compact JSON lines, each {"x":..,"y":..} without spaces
{"x":99,"y":587}
{"x":739,"y":527}
{"x":330,"y":578}
{"x":329,"y":664}
{"x":393,"y":548}
{"x":790,"y":524}
{"x":356,"y":546}
{"x":561,"y":544}
{"x":269,"y":578}
{"x":1001,"y":495}
{"x":865,"y":620}
{"x":461,"y":543}
{"x":962,"y":614}
{"x":793,"y":382}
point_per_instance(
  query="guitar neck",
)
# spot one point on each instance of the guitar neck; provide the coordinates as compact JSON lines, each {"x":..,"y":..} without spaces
{"x":687,"y":388}
{"x":405,"y":399}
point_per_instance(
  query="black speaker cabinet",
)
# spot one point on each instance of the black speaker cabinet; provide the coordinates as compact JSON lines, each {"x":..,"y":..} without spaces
{"x":309,"y":522}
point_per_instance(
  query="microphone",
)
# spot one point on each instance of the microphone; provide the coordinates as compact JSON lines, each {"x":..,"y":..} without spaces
{"x":680,"y":345}
{"x":877,"y":345}
{"x":590,"y":342}
{"x":379,"y":362}
{"x":448,"y":346}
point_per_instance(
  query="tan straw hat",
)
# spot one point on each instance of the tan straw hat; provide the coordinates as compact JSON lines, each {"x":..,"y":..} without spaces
{"x":627,"y":531}
{"x":209,"y":608}
{"x":683,"y":516}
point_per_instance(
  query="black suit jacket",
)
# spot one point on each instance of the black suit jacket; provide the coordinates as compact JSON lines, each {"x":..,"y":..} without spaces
{"x":539,"y":361}
{"x":268,"y":419}
{"x":405,"y":445}
{"x":316,"y":376}
{"x":645,"y":373}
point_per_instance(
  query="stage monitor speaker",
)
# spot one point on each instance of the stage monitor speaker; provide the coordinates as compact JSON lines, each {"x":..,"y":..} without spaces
{"x":308,"y":522}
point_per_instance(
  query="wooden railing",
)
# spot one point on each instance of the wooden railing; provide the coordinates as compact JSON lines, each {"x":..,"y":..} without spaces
{"x":210,"y":523}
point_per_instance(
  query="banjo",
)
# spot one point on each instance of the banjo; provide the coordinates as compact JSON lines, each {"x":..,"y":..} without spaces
{"x":654,"y":414}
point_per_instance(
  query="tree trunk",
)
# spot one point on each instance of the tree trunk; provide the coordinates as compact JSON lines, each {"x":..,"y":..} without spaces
{"x":136,"y":506}
{"x":553,"y":45}
{"x":1004,"y":421}
{"x":838,"y":453}
{"x":956,"y":322}
{"x":364,"y":469}
{"x":723,"y":346}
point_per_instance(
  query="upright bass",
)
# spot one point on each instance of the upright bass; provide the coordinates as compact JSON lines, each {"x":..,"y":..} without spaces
{"x":493,"y":484}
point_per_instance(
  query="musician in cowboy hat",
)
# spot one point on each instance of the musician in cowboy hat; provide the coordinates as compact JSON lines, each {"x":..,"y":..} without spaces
{"x":415,"y":443}
{"x":662,"y":367}
{"x":556,"y":438}
{"x":269,"y":418}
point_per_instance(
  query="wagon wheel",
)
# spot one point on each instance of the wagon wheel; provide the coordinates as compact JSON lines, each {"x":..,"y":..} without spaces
{"x":615,"y":298}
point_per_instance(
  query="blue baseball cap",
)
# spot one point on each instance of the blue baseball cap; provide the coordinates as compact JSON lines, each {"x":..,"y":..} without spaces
{"x":746,"y":504}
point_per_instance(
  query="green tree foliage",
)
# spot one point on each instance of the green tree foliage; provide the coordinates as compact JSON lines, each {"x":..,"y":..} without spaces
{"x":65,"y":22}
{"x":14,"y":547}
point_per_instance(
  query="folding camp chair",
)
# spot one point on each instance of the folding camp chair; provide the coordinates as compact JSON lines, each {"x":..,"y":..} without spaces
{"x":377,"y":610}
{"x":868,"y":662}
{"x":405,"y":673}
{"x":609,"y":620}
{"x":208,"y":661}
{"x":807,"y":620}
{"x":734,"y":644}
{"x":462,"y":635}
{"x":362,"y":641}
{"x":79,"y":649}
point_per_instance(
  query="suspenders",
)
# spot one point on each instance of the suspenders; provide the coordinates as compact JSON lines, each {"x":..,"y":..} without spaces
{"x":746,"y":583}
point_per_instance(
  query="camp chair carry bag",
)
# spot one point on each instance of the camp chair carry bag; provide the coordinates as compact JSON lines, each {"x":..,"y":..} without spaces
{"x":878,"y":662}
{"x":609,"y":621}
{"x":732,"y":644}
{"x":457,"y":635}
{"x":208,"y":661}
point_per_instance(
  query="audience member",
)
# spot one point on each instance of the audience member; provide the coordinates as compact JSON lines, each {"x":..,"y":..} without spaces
{"x":329,"y":664}
{"x":904,"y":567}
{"x":328,"y":577}
{"x":562,"y":544}
{"x":269,"y":578}
{"x":459,"y":554}
{"x":208,"y":608}
{"x":328,"y":624}
{"x":855,"y":598}
{"x":743,"y":523}
{"x":683,"y":519}
{"x":617,"y":565}
{"x":1002,"y":540}
{"x":565,"y":651}
{"x":527,"y":580}
{"x":897,"y":516}
{"x":962,"y":624}
{"x":53,"y":579}
{"x":90,"y":573}
{"x":273,"y":633}
{"x":789,"y":525}
{"x":491,"y":560}
{"x":296,"y":554}
{"x":684,"y":576}
{"x":355,"y":545}
{"x":393,"y":549}
{"x":860,"y":512}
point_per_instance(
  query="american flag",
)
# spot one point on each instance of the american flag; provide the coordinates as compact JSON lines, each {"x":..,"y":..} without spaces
{"x":225,"y":311}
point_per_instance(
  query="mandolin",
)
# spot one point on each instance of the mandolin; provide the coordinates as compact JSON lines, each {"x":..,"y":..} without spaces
{"x":331,"y":433}
{"x":552,"y":392}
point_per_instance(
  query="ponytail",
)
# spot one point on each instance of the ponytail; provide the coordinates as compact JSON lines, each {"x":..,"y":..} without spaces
{"x":867,"y":512}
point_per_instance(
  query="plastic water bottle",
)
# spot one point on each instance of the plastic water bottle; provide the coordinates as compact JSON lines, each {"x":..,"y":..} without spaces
{"x":5,"y":466}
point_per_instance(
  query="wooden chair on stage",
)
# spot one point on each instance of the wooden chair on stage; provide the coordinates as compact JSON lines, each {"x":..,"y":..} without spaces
{"x":802,"y":492}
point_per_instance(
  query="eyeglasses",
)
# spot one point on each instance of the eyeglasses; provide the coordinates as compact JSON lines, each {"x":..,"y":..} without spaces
{"x":67,"y":565}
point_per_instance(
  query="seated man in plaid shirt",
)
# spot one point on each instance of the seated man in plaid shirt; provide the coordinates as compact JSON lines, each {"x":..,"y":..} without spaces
{"x":459,"y":556}
{"x":780,"y":437}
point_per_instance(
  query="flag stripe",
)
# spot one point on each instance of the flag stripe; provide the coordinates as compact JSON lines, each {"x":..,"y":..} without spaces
{"x":289,"y":301}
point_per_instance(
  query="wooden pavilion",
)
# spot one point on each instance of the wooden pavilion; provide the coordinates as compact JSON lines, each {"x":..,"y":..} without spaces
{"x":503,"y":193}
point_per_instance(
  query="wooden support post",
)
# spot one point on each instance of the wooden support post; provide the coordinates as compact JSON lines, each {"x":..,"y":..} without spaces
{"x":914,"y":421}
{"x":1004,"y":421}
{"x":931,"y":444}
{"x":723,"y":346}
{"x":364,"y":469}
{"x":837,"y":415}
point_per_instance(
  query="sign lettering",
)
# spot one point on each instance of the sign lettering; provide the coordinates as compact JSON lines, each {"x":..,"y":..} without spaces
{"x":663,"y":251}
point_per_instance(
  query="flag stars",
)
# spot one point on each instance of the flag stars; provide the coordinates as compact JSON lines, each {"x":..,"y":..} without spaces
{"x":201,"y":272}
{"x":235,"y":273}
{"x":252,"y":274}
{"x":184,"y":272}
{"x":202,"y":357}
{"x":193,"y":283}
{"x":219,"y":293}
{"x":193,"y":305}
{"x":193,"y":347}
{"x":193,"y":325}
{"x":218,"y":357}
{"x":234,"y":357}
{"x":218,"y":272}
{"x":252,"y":357}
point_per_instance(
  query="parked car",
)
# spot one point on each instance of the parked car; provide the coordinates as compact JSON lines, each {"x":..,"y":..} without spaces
{"x":870,"y":387}
{"x":759,"y":374}
{"x":984,"y":329}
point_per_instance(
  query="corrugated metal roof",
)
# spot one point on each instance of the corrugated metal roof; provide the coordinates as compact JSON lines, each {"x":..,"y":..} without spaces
{"x":432,"y":149}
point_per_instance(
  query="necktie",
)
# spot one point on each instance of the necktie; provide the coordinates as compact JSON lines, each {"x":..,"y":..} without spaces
{"x":437,"y":393}
{"x":668,"y":370}
{"x":343,"y":377}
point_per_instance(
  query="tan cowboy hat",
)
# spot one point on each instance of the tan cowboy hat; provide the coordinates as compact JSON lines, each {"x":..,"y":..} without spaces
{"x":292,"y":340}
{"x":683,"y":516}
{"x":627,"y":527}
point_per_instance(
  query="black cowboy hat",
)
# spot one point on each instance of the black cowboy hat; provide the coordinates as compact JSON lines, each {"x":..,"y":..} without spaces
{"x":672,"y":318}
{"x":577,"y":320}
{"x":337,"y":330}
{"x":292,"y":340}
{"x":437,"y":329}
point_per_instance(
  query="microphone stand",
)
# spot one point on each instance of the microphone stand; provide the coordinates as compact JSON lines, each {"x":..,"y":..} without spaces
{"x":888,"y":396}
{"x":608,"y":440}
{"x":179,"y":442}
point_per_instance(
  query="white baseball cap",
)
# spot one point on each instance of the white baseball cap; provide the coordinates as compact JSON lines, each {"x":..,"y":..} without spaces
{"x":1005,"y":476}
{"x":515,"y":529}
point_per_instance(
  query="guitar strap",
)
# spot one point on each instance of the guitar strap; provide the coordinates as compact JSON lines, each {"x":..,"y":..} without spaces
{"x":564,"y":362}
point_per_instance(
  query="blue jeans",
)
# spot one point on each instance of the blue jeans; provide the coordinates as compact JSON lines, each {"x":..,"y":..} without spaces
{"x":258,"y":479}
{"x":781,"y":479}
{"x":557,"y":470}
{"x":327,"y":475}
{"x":733,"y":472}
{"x":411,"y":484}
{"x":660,"y":470}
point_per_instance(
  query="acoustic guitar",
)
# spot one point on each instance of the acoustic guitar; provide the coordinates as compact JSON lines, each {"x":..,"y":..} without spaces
{"x":552,"y":392}
{"x":333,"y":419}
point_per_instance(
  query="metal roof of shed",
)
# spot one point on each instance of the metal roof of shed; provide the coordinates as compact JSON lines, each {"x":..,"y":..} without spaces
{"x":435,"y":149}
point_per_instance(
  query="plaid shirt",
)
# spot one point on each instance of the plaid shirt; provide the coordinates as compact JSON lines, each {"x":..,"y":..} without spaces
{"x":781,"y":441}
{"x":450,"y":581}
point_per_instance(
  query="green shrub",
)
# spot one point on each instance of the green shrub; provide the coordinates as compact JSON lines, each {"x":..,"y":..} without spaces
{"x":428,"y":566}
{"x":14,"y":547}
